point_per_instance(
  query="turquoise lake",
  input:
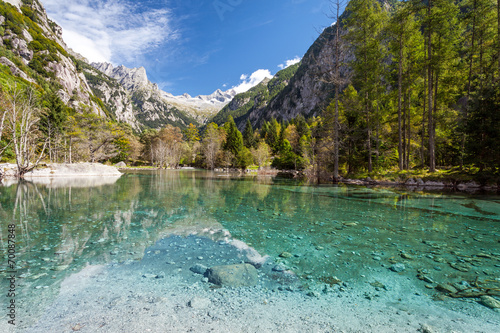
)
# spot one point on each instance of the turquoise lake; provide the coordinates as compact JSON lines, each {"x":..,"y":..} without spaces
{"x":323,"y":234}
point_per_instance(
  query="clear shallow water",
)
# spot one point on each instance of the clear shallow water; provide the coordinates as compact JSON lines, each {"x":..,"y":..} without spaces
{"x":353,"y":234}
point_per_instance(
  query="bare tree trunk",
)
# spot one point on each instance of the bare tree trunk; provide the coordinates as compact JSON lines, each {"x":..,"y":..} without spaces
{"x":402,"y":154}
{"x":434,"y":112}
{"x":336,"y":125}
{"x":432,"y":153}
{"x":400,"y":88}
{"x":408,"y":125}
{"x":23,"y":118}
{"x":377,"y":134}
{"x":471,"y":58}
{"x":369,"y":140}
{"x":424,"y":103}
{"x":70,"y":147}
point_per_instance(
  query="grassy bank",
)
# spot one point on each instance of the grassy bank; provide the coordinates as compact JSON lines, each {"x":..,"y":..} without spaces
{"x":451,"y":175}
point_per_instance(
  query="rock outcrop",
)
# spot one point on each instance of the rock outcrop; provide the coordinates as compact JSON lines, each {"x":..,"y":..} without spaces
{"x":254,"y":103}
{"x":141,"y":103}
{"x":63,"y":170}
{"x":36,"y":41}
{"x":240,"y":275}
{"x":14,"y":70}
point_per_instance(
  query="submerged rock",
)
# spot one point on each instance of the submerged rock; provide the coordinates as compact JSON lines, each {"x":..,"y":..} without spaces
{"x":314,"y":294}
{"x":60,"y":268}
{"x":424,"y":328}
{"x":447,"y":288}
{"x":490,"y":302}
{"x":239,"y":275}
{"x":398,"y":268}
{"x":286,"y":255}
{"x":279,"y":268}
{"x":405,"y":255}
{"x":199,"y":269}
{"x":199,"y":303}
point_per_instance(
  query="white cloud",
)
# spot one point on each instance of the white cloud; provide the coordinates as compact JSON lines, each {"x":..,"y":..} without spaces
{"x":289,"y":63}
{"x":116,"y":31}
{"x":251,"y":81}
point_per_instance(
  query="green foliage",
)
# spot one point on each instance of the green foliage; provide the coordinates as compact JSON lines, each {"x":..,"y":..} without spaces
{"x":16,"y":22}
{"x":42,"y":43}
{"x":55,"y":113}
{"x":483,"y":128}
{"x":234,"y":139}
{"x":256,"y":98}
{"x":287,"y":159}
{"x":281,"y":80}
{"x":248,"y":135}
{"x":27,"y":11}
{"x":95,"y":77}
{"x":191,"y":134}
{"x":244,"y":102}
{"x":123,"y":147}
{"x":102,"y":106}
{"x":271,"y":134}
{"x":244,"y":158}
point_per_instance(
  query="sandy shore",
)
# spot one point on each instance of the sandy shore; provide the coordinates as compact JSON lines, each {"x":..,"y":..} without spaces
{"x":161,"y":294}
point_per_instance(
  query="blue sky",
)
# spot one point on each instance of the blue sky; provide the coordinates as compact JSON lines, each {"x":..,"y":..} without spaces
{"x":193,"y":46}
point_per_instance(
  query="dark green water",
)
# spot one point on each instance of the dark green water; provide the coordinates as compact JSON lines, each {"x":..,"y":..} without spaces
{"x":343,"y":232}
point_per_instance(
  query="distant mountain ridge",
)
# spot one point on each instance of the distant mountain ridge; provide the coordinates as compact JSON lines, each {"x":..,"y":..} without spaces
{"x":32,"y":50}
{"x":257,"y":99}
{"x":301,"y":89}
{"x":35,"y":52}
{"x":153,"y":107}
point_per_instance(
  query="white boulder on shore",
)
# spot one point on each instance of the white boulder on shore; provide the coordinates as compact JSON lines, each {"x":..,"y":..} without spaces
{"x":63,"y":170}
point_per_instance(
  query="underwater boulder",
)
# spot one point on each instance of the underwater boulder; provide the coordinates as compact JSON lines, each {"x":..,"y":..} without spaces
{"x":239,"y":275}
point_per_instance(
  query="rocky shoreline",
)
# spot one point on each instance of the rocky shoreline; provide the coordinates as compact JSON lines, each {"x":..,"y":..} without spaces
{"x":62,"y":170}
{"x":420,"y":185}
{"x":417,"y":184}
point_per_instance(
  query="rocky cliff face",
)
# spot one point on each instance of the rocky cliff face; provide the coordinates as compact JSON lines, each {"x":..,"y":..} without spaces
{"x":254,"y":103}
{"x":307,"y":92}
{"x":145,"y":102}
{"x":32,"y":41}
{"x":299,"y":89}
{"x":33,"y":49}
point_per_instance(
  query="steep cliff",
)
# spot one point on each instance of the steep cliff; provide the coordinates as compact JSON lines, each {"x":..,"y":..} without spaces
{"x":131,"y":97}
{"x":256,"y":100}
{"x":311,"y":89}
{"x":32,"y":49}
{"x":300,"y":89}
{"x":307,"y":92}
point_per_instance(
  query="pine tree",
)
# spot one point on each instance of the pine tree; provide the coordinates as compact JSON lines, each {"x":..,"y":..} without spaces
{"x":406,"y":47}
{"x":234,"y":139}
{"x":442,"y":31}
{"x":248,"y":135}
{"x":365,"y":23}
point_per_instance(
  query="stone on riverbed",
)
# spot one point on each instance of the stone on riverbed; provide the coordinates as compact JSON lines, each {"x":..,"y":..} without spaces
{"x":199,"y":303}
{"x":398,"y":268}
{"x":239,"y":275}
{"x":446,"y":288}
{"x":490,"y":302}
{"x":199,"y":269}
{"x":286,"y":255}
